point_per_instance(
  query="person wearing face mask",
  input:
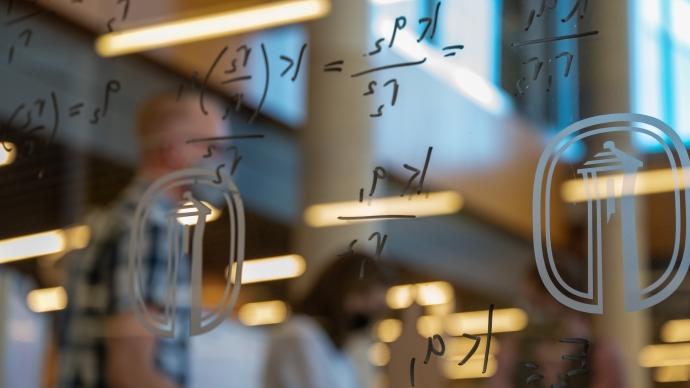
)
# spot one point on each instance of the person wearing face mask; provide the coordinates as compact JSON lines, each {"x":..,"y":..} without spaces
{"x":309,"y":350}
{"x":541,"y":345}
{"x":101,"y":341}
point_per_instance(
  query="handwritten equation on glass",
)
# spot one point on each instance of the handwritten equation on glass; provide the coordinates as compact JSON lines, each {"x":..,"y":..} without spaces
{"x":16,"y":23}
{"x":44,"y":113}
{"x":234,"y":66}
{"x":550,"y":63}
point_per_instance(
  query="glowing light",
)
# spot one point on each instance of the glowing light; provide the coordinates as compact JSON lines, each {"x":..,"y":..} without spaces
{"x":271,"y":268}
{"x":193,"y":219}
{"x":458,"y":347}
{"x":44,"y":243}
{"x":210,"y":26}
{"x":263,"y":313}
{"x":676,"y":331}
{"x":476,"y":322}
{"x":664,"y":355}
{"x":439,"y":203}
{"x":388,"y":330}
{"x":442,"y":309}
{"x":7,"y":157}
{"x":428,"y":325}
{"x":400,"y":297}
{"x":434,"y":293}
{"x":47,"y":299}
{"x":646,"y":182}
{"x":77,"y":237}
{"x":379,"y":354}
{"x":669,"y":374}
{"x":33,"y":245}
{"x":471,"y":370}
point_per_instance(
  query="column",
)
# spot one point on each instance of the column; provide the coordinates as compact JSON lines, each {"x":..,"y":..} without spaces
{"x":605,"y":88}
{"x":336,"y":144}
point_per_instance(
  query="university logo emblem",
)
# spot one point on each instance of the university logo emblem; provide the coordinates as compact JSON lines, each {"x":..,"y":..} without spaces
{"x":185,"y":226}
{"x":610,"y":181}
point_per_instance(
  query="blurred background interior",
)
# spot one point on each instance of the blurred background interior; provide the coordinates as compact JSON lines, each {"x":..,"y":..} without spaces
{"x":486,"y":111}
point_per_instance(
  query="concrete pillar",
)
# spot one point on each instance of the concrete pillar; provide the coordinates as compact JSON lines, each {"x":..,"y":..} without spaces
{"x":336,"y":144}
{"x":605,"y":88}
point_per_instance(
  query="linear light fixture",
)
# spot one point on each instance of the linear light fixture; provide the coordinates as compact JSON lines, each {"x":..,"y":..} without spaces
{"x":263,"y":313}
{"x":646,"y":182}
{"x":664,"y":355}
{"x":43,"y":243}
{"x":458,"y":347}
{"x":475,"y":322}
{"x":215,"y":25}
{"x":438,"y":203}
{"x":473,"y":369}
{"x":271,"y":268}
{"x":425,"y":294}
{"x":677,"y":330}
{"x":7,"y":157}
{"x":670,"y":374}
{"x":441,"y":309}
{"x":47,"y":299}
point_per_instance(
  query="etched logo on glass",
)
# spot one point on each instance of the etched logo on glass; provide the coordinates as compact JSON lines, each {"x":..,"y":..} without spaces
{"x":610,"y":183}
{"x":185,"y":226}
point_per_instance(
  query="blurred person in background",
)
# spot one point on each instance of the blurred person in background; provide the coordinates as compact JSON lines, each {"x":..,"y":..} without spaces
{"x":309,"y":350}
{"x":540,"y":345}
{"x":101,"y":341}
{"x":231,"y":349}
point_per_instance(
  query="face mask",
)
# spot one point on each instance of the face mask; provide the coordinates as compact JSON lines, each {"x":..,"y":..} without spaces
{"x":359,"y":321}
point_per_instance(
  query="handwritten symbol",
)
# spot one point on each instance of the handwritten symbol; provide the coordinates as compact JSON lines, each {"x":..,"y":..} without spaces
{"x":554,"y":38}
{"x":430,"y":23}
{"x":430,"y":348}
{"x":576,"y":6}
{"x":219,"y":178}
{"x":380,"y":242}
{"x":454,"y":47}
{"x":247,"y":52}
{"x":291,"y":63}
{"x":333,"y":66}
{"x":469,"y":355}
{"x":400,"y":23}
{"x":112,"y":86}
{"x":26,"y":34}
{"x":533,"y":377}
{"x":125,"y":11}
{"x":377,"y":47}
{"x":75,"y":110}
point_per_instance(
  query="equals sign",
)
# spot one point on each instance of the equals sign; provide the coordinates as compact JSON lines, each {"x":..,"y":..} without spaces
{"x":334,"y":66}
{"x":75,"y":110}
{"x":455,"y":47}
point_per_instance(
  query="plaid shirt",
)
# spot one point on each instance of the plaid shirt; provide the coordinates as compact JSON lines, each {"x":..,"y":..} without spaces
{"x":98,"y":287}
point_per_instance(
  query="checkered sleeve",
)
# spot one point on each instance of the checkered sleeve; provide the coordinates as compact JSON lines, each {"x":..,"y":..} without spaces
{"x":151,"y":274}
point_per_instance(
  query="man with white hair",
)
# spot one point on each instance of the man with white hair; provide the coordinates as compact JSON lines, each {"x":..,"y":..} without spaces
{"x":102,"y":342}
